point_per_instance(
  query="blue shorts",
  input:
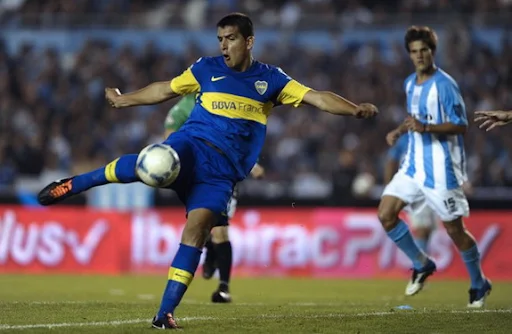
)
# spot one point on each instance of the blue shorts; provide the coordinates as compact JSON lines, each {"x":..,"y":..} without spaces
{"x":206,"y":178}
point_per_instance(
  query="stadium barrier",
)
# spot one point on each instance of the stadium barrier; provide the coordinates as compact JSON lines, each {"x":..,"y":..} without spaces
{"x":323,"y":242}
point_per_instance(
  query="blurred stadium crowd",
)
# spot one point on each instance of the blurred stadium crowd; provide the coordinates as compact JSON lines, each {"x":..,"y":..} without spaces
{"x":54,"y":122}
{"x":194,"y":13}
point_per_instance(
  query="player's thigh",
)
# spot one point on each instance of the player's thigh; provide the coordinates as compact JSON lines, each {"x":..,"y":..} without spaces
{"x":401,"y":191}
{"x":214,"y":181}
{"x":448,"y":204}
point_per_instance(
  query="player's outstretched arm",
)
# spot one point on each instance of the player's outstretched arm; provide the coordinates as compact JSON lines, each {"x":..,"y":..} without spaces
{"x":154,"y":93}
{"x":493,"y":119}
{"x":447,"y":128}
{"x":337,"y":105}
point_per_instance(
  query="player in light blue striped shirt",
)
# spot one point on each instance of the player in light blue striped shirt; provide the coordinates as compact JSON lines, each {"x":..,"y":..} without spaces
{"x":422,"y":218}
{"x":433,"y":170}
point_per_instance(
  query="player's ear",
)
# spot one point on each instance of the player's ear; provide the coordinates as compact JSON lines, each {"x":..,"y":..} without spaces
{"x":249,"y":42}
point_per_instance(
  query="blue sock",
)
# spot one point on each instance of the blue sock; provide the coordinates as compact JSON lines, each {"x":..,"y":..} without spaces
{"x":422,"y":244}
{"x":471,"y":258}
{"x":180,"y":276}
{"x":121,"y":170}
{"x":402,"y":237}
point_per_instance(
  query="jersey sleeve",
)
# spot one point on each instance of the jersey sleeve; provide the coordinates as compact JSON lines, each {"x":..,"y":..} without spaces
{"x":452,"y":104}
{"x":291,"y":91}
{"x":189,"y":81}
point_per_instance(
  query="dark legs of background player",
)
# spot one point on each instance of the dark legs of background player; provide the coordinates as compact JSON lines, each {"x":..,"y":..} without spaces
{"x":221,"y":258}
{"x":209,"y":265}
{"x":422,"y":237}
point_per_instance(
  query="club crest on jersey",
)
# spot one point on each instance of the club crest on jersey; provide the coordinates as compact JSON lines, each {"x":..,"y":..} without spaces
{"x":261,"y":86}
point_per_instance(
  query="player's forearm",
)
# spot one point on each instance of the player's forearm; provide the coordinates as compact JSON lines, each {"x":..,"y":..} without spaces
{"x":337,"y":105}
{"x":152,"y":94}
{"x":390,"y":170}
{"x":446,"y":129}
{"x":402,"y":128}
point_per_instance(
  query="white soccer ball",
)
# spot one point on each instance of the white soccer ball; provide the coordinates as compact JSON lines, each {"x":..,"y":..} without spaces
{"x":158,"y":165}
{"x":363,"y":185}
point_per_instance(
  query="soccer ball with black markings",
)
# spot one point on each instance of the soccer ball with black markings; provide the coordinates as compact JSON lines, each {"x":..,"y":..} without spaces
{"x":158,"y":165}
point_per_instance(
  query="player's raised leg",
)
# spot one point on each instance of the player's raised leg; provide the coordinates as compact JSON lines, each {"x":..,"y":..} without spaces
{"x":121,"y":170}
{"x":397,"y":194}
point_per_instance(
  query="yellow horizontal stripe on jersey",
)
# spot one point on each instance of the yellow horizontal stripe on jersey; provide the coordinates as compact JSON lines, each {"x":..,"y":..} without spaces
{"x":185,"y":83}
{"x":234,"y":106}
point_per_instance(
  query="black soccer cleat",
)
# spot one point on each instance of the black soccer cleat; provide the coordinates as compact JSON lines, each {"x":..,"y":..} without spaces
{"x":56,"y":191}
{"x":222,"y":295}
{"x":168,"y":323}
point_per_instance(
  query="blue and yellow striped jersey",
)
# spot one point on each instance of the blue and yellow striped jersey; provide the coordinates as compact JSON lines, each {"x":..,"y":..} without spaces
{"x":232,"y":107}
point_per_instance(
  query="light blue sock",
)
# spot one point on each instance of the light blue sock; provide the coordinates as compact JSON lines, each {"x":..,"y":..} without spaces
{"x":422,"y":244}
{"x":471,"y":258}
{"x":402,"y":237}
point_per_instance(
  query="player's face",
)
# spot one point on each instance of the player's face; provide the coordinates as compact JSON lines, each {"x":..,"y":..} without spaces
{"x":234,"y":47}
{"x":421,"y":55}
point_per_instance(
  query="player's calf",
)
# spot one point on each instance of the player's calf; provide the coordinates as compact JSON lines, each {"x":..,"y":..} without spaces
{"x":186,"y":260}
{"x":467,"y":246}
{"x":398,"y":231}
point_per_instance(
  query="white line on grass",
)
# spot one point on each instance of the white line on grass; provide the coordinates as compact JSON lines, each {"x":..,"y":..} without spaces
{"x":262,"y":316}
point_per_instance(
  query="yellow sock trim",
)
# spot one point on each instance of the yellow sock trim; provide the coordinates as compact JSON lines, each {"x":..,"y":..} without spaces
{"x":110,"y":171}
{"x":179,"y":275}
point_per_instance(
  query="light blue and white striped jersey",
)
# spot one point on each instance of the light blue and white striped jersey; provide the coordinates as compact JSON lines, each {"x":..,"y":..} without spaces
{"x":398,"y":151}
{"x":436,"y":161}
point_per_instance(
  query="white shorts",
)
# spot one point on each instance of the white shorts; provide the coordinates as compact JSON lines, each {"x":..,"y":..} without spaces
{"x":422,"y":216}
{"x":448,"y":204}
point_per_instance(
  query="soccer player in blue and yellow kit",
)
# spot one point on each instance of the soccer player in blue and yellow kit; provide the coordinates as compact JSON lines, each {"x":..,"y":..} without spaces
{"x":219,"y":253}
{"x":218,"y":145}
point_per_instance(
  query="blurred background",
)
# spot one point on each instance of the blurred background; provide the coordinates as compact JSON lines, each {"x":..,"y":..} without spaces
{"x":57,"y":56}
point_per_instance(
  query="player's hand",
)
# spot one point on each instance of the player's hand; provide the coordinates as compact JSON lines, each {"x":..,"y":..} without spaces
{"x":111,"y":95}
{"x":493,"y":119}
{"x":392,"y":137}
{"x":258,"y":172}
{"x":413,"y":124}
{"x":366,"y":110}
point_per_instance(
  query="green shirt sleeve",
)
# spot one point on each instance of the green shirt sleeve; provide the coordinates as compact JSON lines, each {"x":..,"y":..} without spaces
{"x":179,"y":113}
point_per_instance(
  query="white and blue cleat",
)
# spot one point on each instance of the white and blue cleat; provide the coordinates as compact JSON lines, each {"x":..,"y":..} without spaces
{"x":419,"y":276}
{"x":477,"y":296}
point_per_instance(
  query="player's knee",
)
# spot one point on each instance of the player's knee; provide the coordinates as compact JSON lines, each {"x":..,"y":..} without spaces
{"x":198,"y":226}
{"x":455,"y":228}
{"x":388,"y":216}
{"x":388,"y":211}
{"x":220,"y":234}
